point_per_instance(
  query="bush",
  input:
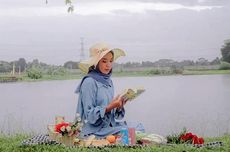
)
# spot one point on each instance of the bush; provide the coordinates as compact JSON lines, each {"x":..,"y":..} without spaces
{"x":154,"y":72}
{"x":5,"y":67}
{"x":34,"y":73}
{"x":224,"y":66}
{"x":56,"y":71}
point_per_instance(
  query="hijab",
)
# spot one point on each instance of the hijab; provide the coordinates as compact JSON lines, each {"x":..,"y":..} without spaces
{"x":97,"y":75}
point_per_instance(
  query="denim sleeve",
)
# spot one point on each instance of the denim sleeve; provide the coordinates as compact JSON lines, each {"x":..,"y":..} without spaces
{"x":93,"y":113}
{"x":119,"y":113}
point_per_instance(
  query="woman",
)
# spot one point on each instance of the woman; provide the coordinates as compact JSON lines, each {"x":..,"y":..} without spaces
{"x":98,"y":108}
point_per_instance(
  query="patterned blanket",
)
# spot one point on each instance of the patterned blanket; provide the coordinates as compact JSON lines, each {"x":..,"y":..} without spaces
{"x":44,"y":139}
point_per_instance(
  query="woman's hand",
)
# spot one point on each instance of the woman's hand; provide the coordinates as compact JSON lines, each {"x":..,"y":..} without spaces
{"x":124,"y":101}
{"x":117,"y":102}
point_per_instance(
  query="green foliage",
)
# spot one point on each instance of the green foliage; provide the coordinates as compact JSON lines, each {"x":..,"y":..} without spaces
{"x":225,"y":51}
{"x":175,"y":138}
{"x":34,"y":73}
{"x":224,"y":66}
{"x":70,"y":6}
{"x":11,"y":144}
{"x":154,"y":72}
{"x":70,"y":9}
{"x":216,"y":61}
{"x":176,"y":69}
{"x":71,"y":65}
{"x":5,"y":66}
{"x":164,"y":71}
{"x":56,"y":71}
{"x":68,"y":2}
{"x":21,"y":64}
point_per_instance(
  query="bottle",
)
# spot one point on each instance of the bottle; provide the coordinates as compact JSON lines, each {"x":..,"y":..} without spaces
{"x":124,"y":136}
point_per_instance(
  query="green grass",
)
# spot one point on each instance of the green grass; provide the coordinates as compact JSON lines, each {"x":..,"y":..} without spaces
{"x":11,"y":144}
{"x":49,"y":77}
{"x":205,"y":72}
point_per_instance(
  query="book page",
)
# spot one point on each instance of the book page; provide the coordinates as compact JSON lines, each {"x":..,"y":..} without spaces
{"x":132,"y":93}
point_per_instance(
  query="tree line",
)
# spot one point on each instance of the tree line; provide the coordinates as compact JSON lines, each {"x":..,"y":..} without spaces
{"x":21,"y":65}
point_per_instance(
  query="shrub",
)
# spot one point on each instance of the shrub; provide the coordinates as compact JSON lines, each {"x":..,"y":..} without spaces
{"x":56,"y":71}
{"x":34,"y":73}
{"x":154,"y":71}
{"x":224,"y":66}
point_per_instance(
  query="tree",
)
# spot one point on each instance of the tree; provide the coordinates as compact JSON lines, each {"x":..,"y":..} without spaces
{"x":34,"y":73}
{"x":215,"y":61}
{"x":68,"y":3}
{"x":225,"y":51}
{"x":202,"y":61}
{"x":71,"y":65}
{"x":21,"y":64}
{"x":5,"y":66}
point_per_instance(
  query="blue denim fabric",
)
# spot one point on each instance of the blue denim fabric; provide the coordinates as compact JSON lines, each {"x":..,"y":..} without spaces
{"x":92,"y":102}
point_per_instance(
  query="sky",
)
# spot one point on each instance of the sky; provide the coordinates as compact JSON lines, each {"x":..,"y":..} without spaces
{"x":148,"y":30}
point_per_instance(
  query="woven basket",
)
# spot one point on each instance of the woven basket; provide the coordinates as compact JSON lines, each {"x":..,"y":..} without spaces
{"x":66,"y":140}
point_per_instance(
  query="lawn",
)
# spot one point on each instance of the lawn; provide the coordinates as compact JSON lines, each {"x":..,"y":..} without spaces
{"x":11,"y":144}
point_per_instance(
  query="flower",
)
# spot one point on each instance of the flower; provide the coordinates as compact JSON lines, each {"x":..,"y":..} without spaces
{"x":185,"y":137}
{"x":69,"y":129}
{"x":191,"y":138}
{"x":61,"y":127}
{"x":201,"y":140}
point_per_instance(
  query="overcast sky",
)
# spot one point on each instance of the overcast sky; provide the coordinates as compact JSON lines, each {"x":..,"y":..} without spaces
{"x":148,"y":30}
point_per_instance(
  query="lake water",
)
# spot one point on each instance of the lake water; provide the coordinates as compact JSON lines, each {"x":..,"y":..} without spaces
{"x":200,"y":103}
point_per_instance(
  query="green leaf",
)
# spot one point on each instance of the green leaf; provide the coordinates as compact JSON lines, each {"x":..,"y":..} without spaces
{"x":71,"y":9}
{"x":68,"y":2}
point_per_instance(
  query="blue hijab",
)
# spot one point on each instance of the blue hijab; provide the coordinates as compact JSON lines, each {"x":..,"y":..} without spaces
{"x":97,"y":75}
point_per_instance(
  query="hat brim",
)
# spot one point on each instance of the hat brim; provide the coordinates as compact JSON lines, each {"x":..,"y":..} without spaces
{"x":84,"y":65}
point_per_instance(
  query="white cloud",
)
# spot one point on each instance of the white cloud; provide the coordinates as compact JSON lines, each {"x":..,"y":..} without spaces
{"x":100,"y":8}
{"x":33,"y":11}
{"x":201,"y":1}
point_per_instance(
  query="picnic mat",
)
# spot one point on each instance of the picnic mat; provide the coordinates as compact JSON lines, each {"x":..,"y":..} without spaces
{"x":43,"y":139}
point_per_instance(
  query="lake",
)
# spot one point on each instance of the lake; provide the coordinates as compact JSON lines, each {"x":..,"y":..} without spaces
{"x":200,"y":103}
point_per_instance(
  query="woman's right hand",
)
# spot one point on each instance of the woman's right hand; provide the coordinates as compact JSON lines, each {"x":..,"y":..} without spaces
{"x":115,"y":103}
{"x":118,"y":102}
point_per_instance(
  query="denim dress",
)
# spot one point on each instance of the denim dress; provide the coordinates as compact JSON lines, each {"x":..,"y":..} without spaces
{"x":93,"y":99}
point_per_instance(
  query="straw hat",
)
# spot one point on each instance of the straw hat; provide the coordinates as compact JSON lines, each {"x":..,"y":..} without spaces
{"x":97,"y":52}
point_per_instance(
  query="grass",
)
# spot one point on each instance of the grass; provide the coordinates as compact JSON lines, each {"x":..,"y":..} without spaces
{"x":11,"y":144}
{"x":205,"y":72}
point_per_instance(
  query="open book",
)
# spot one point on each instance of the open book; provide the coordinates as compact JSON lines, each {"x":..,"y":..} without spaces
{"x":132,"y":93}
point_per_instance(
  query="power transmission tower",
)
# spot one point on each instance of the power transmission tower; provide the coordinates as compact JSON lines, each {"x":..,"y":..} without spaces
{"x":82,"y":54}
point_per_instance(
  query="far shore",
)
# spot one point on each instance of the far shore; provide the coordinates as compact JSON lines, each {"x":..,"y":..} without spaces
{"x":138,"y":73}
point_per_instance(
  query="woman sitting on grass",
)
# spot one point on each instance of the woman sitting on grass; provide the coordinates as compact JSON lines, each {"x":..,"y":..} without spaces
{"x":97,"y":106}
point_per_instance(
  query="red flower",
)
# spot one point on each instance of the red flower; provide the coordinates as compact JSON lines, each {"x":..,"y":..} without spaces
{"x":182,"y":137}
{"x":189,"y":137}
{"x":201,"y":140}
{"x":195,"y":140}
{"x":58,"y":126}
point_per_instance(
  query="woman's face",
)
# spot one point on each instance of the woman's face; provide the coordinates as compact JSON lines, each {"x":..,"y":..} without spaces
{"x":106,"y":63}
